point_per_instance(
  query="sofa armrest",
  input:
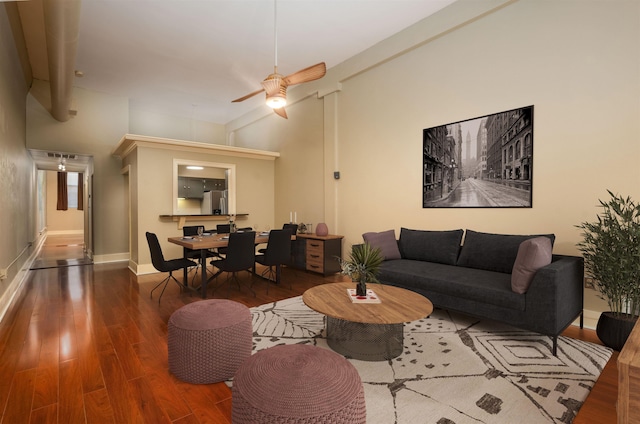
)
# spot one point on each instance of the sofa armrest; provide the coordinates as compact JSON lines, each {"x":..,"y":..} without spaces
{"x":556,"y":295}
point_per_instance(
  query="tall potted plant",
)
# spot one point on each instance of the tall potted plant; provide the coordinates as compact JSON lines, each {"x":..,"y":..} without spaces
{"x":362,"y":266}
{"x":611,"y":251}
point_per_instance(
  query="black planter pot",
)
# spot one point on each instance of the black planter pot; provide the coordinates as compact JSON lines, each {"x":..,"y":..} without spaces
{"x":614,"y":330}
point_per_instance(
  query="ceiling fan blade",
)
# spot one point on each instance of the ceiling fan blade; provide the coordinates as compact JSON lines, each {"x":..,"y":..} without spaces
{"x":241,"y":99}
{"x":307,"y":74}
{"x":281,"y":112}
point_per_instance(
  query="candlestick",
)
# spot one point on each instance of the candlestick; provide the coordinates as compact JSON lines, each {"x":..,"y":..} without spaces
{"x":290,"y":217}
{"x":295,"y":217}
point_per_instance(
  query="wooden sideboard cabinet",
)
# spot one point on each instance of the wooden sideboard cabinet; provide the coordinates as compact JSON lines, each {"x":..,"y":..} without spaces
{"x":318,"y":253}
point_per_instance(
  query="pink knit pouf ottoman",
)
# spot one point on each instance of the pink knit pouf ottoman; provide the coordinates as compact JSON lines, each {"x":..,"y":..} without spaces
{"x":208,"y":340}
{"x":297,"y":384}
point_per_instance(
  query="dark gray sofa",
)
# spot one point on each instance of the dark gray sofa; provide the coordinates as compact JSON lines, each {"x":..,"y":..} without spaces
{"x":475,"y":278}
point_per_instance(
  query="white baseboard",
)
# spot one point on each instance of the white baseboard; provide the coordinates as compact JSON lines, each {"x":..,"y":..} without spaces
{"x":112,"y":257}
{"x":143,"y":269}
{"x":16,"y":285}
{"x":65,"y":232}
{"x":590,"y":319}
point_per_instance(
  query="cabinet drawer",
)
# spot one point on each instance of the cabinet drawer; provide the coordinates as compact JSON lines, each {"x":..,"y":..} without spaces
{"x":315,"y":256}
{"x":315,"y":265}
{"x":315,"y":250}
{"x":318,"y":254}
{"x":315,"y":246}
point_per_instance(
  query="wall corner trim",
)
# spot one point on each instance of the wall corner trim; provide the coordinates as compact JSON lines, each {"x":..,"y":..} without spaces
{"x":129,"y":142}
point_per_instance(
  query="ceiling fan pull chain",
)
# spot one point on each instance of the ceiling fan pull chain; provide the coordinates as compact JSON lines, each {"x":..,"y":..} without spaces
{"x":275,"y":85}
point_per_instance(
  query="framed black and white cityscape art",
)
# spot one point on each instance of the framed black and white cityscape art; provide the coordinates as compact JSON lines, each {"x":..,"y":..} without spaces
{"x":484,"y":162}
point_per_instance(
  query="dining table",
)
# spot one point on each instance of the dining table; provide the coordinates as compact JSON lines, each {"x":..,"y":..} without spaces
{"x":203,"y":244}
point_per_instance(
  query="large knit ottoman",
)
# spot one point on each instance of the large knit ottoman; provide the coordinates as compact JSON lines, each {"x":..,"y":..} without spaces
{"x":208,"y":340}
{"x":297,"y":384}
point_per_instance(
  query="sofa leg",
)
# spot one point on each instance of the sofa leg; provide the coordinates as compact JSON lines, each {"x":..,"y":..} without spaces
{"x":555,"y":345}
{"x":581,"y":320}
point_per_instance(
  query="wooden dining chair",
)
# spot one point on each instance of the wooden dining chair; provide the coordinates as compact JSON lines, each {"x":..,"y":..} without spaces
{"x":277,"y":253}
{"x":240,"y":256}
{"x":163,"y":265}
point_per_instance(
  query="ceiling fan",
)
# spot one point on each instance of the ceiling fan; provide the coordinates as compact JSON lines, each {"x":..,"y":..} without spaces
{"x":275,"y":85}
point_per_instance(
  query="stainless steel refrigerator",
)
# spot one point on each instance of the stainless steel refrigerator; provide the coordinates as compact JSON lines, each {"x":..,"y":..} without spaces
{"x":214,"y":202}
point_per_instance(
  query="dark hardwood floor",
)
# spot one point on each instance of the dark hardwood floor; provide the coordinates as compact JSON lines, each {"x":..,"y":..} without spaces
{"x":85,"y":344}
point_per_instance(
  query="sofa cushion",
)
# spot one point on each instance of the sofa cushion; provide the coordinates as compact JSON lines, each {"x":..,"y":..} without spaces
{"x":385,"y":241}
{"x":493,"y":288}
{"x":431,"y":246}
{"x":533,"y":254}
{"x":493,"y":252}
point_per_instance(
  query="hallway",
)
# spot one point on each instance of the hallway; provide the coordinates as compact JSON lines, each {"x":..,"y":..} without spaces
{"x":62,"y":250}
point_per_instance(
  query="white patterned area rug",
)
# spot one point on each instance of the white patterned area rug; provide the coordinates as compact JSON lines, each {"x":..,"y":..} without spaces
{"x":455,"y":369}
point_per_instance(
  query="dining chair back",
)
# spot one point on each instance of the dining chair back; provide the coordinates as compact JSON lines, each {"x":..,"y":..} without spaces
{"x":223,"y":228}
{"x":163,"y":265}
{"x":294,"y":231}
{"x":277,"y":253}
{"x":292,"y":227}
{"x":240,"y":256}
{"x":192,"y":230}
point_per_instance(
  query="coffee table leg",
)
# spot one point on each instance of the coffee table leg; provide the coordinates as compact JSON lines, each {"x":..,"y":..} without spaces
{"x":366,"y":342}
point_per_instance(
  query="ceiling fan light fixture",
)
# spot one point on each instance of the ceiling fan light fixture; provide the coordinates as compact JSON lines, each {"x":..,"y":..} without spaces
{"x":275,"y":85}
{"x":276,"y":101}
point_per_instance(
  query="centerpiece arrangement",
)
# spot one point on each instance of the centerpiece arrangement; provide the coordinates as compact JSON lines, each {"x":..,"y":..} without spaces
{"x":611,"y":251}
{"x":362,"y":266}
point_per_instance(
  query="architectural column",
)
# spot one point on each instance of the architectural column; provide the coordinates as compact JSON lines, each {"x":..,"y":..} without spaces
{"x":331,"y":159}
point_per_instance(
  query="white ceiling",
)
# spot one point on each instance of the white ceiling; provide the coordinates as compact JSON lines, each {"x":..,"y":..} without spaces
{"x":192,"y":57}
{"x":49,"y":160}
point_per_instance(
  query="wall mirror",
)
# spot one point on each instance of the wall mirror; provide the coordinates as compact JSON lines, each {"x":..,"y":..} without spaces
{"x":203,"y":188}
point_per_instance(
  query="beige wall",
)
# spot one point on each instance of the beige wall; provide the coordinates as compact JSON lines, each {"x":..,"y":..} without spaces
{"x":159,"y":125}
{"x":129,"y":165}
{"x":299,"y":169}
{"x":101,"y":122}
{"x":70,"y":221}
{"x":151,"y":179}
{"x":578,"y":63}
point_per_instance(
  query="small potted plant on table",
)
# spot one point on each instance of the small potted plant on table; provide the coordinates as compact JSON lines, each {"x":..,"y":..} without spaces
{"x":611,"y":251}
{"x":362,"y":266}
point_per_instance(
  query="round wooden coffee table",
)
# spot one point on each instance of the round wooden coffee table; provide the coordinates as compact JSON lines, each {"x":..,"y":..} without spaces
{"x":367,"y":331}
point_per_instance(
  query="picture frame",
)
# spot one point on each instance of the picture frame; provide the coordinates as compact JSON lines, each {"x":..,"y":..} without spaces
{"x":483,"y":162}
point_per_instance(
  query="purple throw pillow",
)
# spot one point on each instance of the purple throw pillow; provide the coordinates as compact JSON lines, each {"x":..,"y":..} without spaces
{"x":386,"y":241}
{"x":533,"y":254}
